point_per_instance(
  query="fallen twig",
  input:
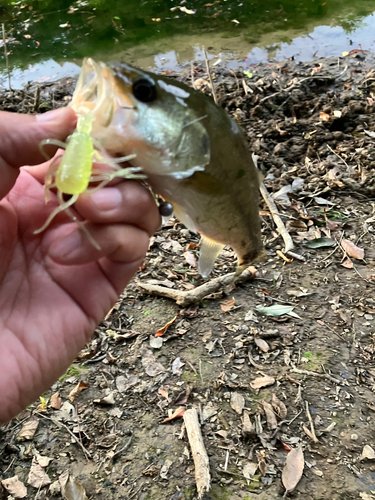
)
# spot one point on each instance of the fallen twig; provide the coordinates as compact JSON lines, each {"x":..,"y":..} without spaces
{"x":315,"y":374}
{"x":289,"y":245}
{"x":297,"y":256}
{"x":209,"y":76}
{"x":312,"y":428}
{"x":79,"y":433}
{"x":338,"y":156}
{"x":294,"y":85}
{"x":36,"y":100}
{"x":198,"y":450}
{"x":60,"y":424}
{"x":193,"y":296}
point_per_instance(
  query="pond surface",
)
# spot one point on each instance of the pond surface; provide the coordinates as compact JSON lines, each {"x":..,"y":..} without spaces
{"x":47,"y":39}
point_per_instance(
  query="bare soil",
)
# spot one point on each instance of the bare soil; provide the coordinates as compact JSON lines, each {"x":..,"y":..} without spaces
{"x":311,"y":126}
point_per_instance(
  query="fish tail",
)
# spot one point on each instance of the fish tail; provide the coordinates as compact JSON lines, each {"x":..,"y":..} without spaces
{"x":209,"y":250}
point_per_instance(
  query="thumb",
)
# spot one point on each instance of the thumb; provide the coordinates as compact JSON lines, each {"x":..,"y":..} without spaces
{"x":20,"y":136}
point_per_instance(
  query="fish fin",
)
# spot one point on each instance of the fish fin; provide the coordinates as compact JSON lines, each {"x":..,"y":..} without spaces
{"x":184,"y":218}
{"x":209,"y":250}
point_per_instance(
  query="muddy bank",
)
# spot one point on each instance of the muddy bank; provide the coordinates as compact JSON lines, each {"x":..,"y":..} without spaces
{"x":312,"y":127}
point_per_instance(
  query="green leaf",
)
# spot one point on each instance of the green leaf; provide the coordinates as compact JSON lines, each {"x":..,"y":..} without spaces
{"x":276,"y":310}
{"x":116,"y":17}
{"x":248,"y":74}
{"x":321,"y":242}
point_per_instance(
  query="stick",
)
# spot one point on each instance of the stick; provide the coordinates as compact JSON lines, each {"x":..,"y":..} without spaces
{"x":198,"y":451}
{"x":338,"y":156}
{"x":315,"y":374}
{"x":79,"y":434}
{"x":188,"y":297}
{"x":6,"y":55}
{"x":209,"y":76}
{"x":60,"y":424}
{"x":36,"y":101}
{"x":288,"y":89}
{"x":312,"y":428}
{"x":289,"y":245}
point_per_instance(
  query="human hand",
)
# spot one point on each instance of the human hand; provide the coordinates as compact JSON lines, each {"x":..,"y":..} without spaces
{"x":56,"y":287}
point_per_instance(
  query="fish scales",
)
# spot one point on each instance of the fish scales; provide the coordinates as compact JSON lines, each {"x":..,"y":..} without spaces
{"x":194,"y":154}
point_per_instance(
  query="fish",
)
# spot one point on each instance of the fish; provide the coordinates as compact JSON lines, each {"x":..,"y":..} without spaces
{"x":192,"y":152}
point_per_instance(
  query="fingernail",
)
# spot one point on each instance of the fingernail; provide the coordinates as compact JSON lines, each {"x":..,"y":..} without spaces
{"x":107,"y":199}
{"x":51,"y":116}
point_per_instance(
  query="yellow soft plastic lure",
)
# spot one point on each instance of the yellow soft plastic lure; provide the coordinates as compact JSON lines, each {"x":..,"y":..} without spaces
{"x":73,"y":174}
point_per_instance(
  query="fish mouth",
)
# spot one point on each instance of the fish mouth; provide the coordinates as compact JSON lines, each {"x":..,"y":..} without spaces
{"x":95,"y":93}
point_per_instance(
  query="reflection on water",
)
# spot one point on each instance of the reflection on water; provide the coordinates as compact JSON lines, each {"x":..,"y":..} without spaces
{"x":46,"y":71}
{"x":237,"y":47}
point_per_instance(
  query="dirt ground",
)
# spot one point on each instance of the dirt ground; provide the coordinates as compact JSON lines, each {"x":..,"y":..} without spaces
{"x":312,"y":126}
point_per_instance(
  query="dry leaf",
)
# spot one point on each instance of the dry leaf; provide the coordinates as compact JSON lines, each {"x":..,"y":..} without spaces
{"x":38,"y":478}
{"x":156,"y":342}
{"x":190,"y":258}
{"x":223,"y":434}
{"x":55,"y":401}
{"x":237,"y":402}
{"x":162,"y":331}
{"x":317,"y":472}
{"x":331,"y":225}
{"x":107,"y":400}
{"x":54,"y":488}
{"x":149,"y":363}
{"x":124,"y":383}
{"x":293,"y":469}
{"x":176,"y":366}
{"x":28,"y":430}
{"x":262,"y":344}
{"x":227,"y":305}
{"x":178,"y":413}
{"x":249,"y":469}
{"x":15,"y":487}
{"x":183,"y":397}
{"x":43,"y":461}
{"x":206,"y":336}
{"x":262,"y":463}
{"x":163,"y":393}
{"x":279,"y":407}
{"x":71,"y":488}
{"x":260,"y":382}
{"x":247,"y":426}
{"x":275,"y":310}
{"x":368,"y":453}
{"x":208,"y":411}
{"x":347,"y":263}
{"x":81,"y":386}
{"x":352,"y":250}
{"x":324,"y":117}
{"x":164,"y":470}
{"x":271,"y":417}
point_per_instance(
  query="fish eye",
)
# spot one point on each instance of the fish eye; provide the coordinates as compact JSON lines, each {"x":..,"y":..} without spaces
{"x":144,"y":89}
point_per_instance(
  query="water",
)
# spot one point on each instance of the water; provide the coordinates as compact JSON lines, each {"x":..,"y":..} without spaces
{"x":47,"y":39}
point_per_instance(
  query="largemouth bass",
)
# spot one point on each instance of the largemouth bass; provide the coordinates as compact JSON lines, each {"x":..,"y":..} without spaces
{"x":193,"y":153}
